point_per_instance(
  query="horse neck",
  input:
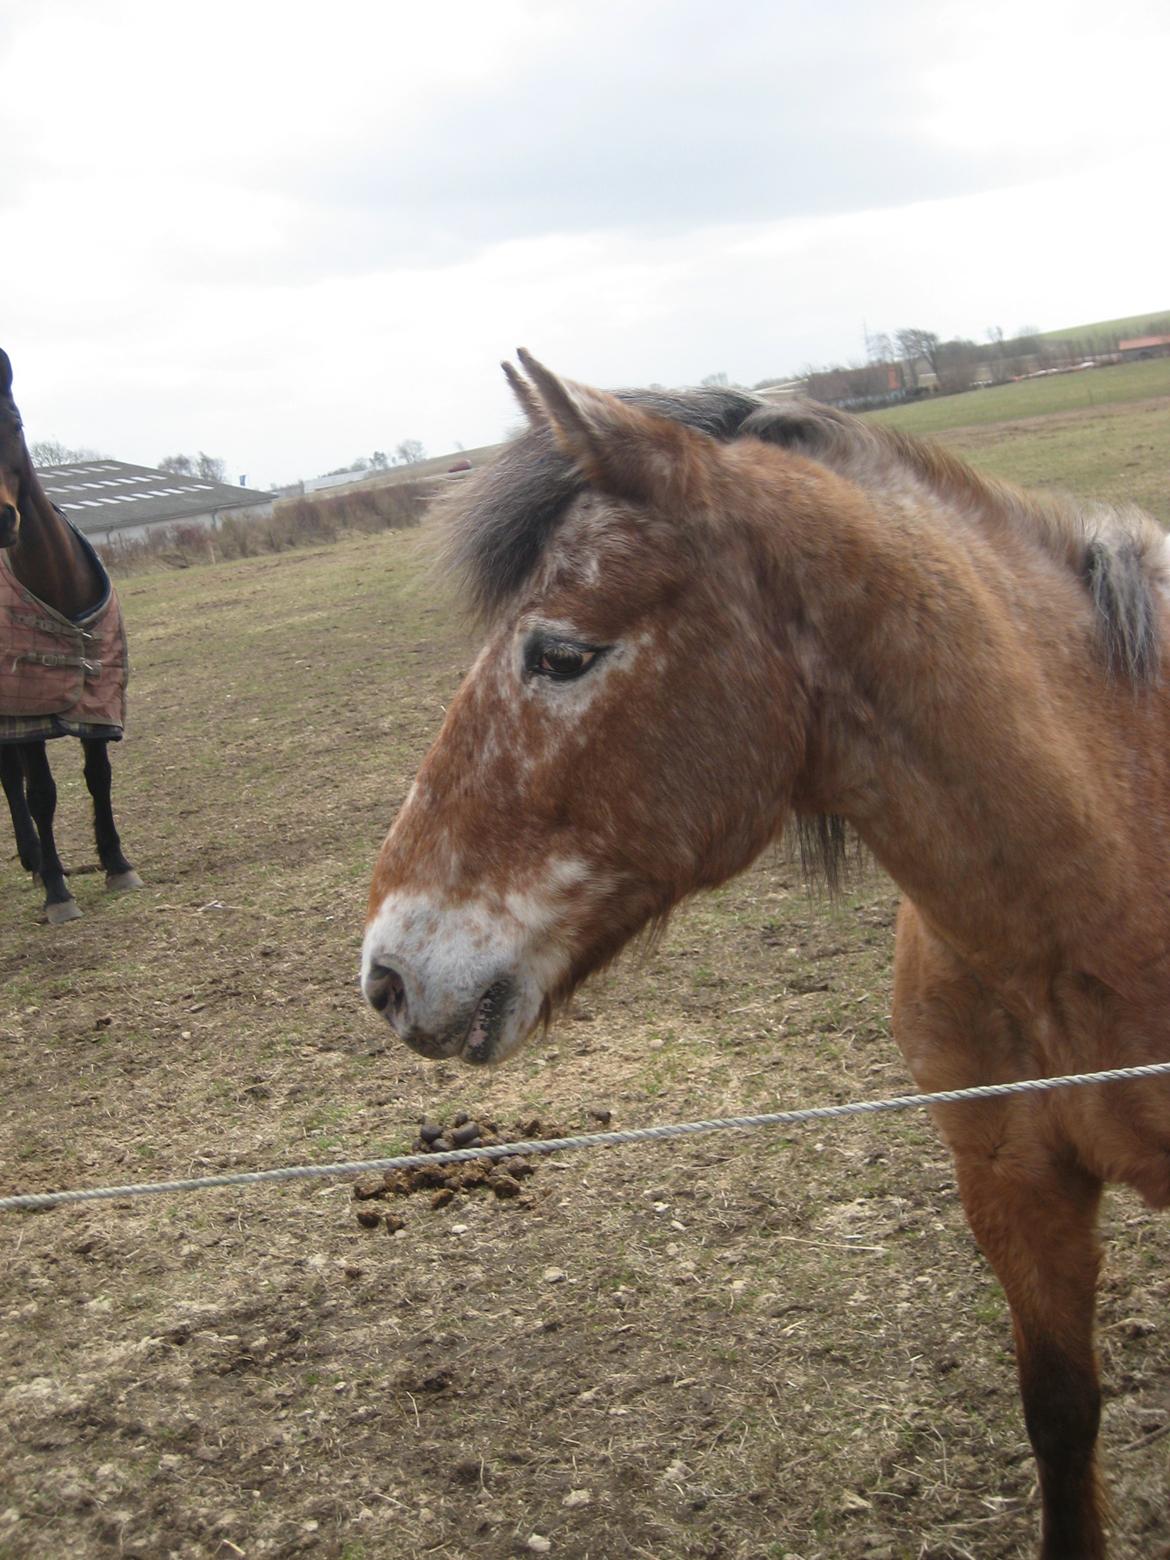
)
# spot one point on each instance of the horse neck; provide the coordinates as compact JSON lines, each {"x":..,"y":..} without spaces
{"x":47,"y":557}
{"x":965,"y":726}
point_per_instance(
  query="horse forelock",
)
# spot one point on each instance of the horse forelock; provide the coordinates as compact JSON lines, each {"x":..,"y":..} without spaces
{"x":496,"y":528}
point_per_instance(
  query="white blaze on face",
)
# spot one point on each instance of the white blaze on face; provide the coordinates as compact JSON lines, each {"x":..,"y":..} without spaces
{"x":449,"y":955}
{"x":463,"y":958}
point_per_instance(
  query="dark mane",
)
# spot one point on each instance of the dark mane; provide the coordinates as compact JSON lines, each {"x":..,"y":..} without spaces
{"x":497,"y":526}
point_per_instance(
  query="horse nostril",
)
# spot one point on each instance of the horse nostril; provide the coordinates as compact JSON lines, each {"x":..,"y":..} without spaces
{"x":385,"y":989}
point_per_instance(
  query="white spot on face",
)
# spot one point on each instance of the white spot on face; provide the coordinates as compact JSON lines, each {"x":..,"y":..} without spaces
{"x":480,"y":661}
{"x":567,"y":872}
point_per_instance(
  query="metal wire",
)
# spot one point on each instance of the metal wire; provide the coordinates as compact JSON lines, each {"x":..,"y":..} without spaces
{"x":782,"y":1118}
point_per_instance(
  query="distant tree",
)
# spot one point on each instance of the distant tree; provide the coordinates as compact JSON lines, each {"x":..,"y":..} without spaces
{"x":715,"y":381}
{"x":379,"y":460}
{"x":999,"y":353}
{"x":409,"y":452}
{"x":50,"y":452}
{"x":209,"y":468}
{"x":914,"y":344}
{"x":958,"y":363}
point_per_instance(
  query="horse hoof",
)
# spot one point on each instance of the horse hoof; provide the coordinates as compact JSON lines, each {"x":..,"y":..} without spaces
{"x":57,"y":915}
{"x":119,"y":882}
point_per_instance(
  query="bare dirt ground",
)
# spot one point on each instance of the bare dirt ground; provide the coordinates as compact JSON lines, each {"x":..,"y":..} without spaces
{"x":751,"y":1345}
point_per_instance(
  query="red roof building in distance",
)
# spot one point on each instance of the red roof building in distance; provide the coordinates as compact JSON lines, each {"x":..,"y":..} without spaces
{"x":1145,"y":347}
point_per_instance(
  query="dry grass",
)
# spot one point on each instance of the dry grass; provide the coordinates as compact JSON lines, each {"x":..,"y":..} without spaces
{"x":294,"y":522}
{"x":760,"y":1345}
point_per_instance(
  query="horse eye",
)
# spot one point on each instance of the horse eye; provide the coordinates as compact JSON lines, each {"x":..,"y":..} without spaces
{"x":565,"y":661}
{"x":560,"y":661}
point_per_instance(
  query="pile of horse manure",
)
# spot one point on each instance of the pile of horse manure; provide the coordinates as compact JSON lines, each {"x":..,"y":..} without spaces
{"x":443,"y":1183}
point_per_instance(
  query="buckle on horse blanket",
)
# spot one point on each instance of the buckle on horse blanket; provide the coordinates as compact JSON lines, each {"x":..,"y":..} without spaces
{"x":43,"y":658}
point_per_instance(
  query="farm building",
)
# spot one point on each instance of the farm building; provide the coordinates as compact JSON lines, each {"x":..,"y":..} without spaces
{"x":1144,"y":347}
{"x":110,"y":500}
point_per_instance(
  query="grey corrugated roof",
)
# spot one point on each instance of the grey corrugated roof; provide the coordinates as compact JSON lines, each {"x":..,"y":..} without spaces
{"x":106,"y":495}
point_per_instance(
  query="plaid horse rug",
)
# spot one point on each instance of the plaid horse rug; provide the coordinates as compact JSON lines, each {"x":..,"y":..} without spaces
{"x":60,"y":677}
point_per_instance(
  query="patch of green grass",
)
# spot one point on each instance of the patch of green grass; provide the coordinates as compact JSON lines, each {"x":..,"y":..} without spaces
{"x":386,"y":1148}
{"x":1090,"y":389}
{"x":1119,"y":455}
{"x":1130,"y":325}
{"x":990,"y":1310}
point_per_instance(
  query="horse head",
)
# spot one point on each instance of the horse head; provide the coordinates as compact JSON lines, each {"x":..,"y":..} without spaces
{"x":630,"y":732}
{"x":13,"y":457}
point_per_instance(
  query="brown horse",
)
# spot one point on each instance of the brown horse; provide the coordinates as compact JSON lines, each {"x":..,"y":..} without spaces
{"x":62,"y":666}
{"x":707,"y":616}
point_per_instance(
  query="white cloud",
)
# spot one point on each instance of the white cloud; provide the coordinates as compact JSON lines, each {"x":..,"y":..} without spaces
{"x":289,"y":237}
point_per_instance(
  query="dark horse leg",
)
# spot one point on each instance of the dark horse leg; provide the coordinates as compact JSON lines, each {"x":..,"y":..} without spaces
{"x":41,"y":791}
{"x":1033,"y":1210}
{"x":28,"y":847}
{"x":119,"y":873}
{"x":1038,"y":1231}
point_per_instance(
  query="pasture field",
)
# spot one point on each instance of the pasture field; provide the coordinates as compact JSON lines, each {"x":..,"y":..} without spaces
{"x":1129,"y":325}
{"x":762,"y":1345}
{"x":1088,"y":393}
{"x":1123,"y":449}
{"x":1045,"y":432}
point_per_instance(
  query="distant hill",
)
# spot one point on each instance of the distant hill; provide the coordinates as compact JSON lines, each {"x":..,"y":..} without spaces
{"x":434,"y":467}
{"x":1108,"y":330}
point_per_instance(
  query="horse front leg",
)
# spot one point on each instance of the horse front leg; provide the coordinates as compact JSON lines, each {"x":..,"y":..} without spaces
{"x":28,"y":847}
{"x":60,"y":905}
{"x":1032,"y":1209}
{"x":1036,"y":1222}
{"x":98,"y":777}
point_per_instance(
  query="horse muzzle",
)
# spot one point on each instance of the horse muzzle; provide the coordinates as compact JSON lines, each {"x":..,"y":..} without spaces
{"x":479,"y":1030}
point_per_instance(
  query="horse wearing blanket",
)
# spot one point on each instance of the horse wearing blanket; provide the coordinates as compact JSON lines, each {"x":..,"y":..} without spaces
{"x":705,"y":617}
{"x":63,"y":666}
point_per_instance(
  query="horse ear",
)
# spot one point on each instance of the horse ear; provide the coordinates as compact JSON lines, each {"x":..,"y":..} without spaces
{"x":522,"y":390}
{"x":618,"y":447}
{"x":5,"y":373}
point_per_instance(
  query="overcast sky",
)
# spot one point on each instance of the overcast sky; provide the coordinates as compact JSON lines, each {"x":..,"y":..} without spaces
{"x":291,"y":234}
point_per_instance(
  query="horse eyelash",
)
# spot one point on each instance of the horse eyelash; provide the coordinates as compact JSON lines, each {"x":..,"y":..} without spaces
{"x":539,"y":646}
